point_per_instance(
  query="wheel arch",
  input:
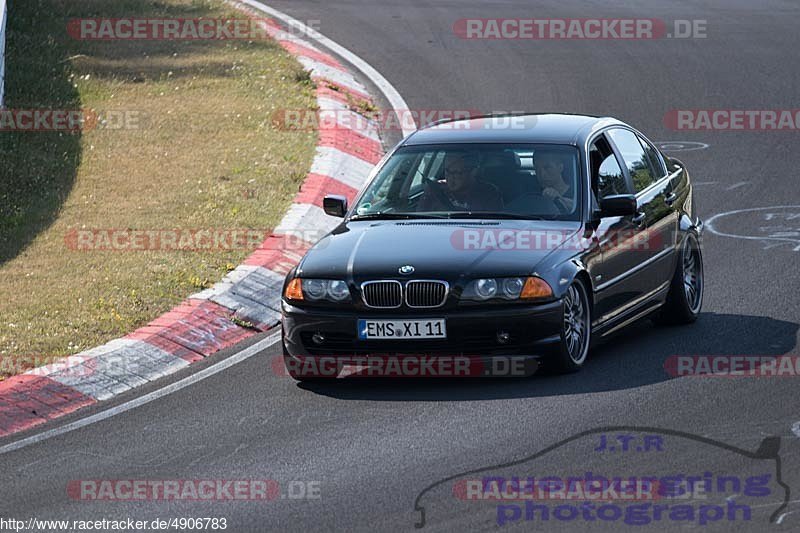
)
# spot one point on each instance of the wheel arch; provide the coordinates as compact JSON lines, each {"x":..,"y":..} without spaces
{"x":568,"y":273}
{"x":583,"y":276}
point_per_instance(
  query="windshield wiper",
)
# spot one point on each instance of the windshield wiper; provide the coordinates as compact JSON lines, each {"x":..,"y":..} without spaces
{"x":394,"y":216}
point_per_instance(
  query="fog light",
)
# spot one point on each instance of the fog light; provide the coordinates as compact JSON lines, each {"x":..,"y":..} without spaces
{"x":318,"y":338}
{"x":503,"y":337}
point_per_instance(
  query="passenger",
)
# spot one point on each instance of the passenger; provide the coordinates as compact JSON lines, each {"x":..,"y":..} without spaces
{"x":555,"y":187}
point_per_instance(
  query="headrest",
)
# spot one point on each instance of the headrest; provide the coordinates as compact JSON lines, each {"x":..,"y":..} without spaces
{"x":505,"y":159}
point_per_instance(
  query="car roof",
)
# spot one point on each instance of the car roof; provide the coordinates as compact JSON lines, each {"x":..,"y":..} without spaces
{"x":556,"y":128}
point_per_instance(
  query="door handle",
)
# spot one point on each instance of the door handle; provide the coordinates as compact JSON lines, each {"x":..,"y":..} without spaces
{"x":638,"y":220}
{"x":670,"y":199}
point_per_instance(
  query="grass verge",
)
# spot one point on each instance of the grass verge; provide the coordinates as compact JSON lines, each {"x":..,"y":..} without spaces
{"x":187,"y":143}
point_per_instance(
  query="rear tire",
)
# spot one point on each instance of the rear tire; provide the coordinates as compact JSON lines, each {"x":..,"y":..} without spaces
{"x":576,"y":330}
{"x":685,"y":297}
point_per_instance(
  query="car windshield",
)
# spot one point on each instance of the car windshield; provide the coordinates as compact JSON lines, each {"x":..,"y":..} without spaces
{"x":527,"y":181}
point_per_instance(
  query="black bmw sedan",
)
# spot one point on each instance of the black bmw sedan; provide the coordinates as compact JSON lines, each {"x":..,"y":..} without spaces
{"x":520,"y":235}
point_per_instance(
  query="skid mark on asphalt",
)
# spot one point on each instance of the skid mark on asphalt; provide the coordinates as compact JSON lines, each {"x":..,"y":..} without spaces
{"x":729,"y":188}
{"x":737,"y":185}
{"x":782,"y":516}
{"x":47,"y":463}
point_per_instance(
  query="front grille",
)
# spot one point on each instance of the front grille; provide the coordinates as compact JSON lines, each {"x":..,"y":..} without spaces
{"x":382,"y":294}
{"x":426,"y":294}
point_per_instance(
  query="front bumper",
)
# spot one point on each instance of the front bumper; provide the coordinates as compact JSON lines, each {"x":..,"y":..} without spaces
{"x":471,"y":331}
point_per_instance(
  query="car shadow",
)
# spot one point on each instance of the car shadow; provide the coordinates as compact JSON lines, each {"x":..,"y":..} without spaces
{"x":635,"y":357}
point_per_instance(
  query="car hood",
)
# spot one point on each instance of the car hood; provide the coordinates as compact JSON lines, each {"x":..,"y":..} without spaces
{"x":446,"y":249}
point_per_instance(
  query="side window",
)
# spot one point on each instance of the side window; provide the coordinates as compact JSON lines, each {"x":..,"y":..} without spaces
{"x":655,"y":159}
{"x":607,"y":176}
{"x":634,"y":157}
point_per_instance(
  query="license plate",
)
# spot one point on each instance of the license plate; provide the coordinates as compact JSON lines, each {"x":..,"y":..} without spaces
{"x":432,"y":328}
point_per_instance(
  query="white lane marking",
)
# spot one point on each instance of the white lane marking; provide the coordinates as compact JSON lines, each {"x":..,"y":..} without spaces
{"x":392,"y":95}
{"x":784,"y":237}
{"x":796,"y":429}
{"x":704,"y":182}
{"x":248,"y":352}
{"x":681,"y":146}
{"x":782,"y":516}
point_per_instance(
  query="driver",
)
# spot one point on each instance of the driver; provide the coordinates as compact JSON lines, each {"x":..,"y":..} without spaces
{"x":460,"y":189}
{"x":550,"y":172}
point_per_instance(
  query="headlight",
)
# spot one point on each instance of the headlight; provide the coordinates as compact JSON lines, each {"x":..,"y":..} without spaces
{"x":485,"y":288}
{"x":338,"y":290}
{"x":507,"y":289}
{"x":316,"y":290}
{"x":512,"y":287}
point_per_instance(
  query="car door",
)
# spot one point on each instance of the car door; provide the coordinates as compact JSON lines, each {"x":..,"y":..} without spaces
{"x":661,"y":199}
{"x":612,"y":267}
{"x":651,"y":252}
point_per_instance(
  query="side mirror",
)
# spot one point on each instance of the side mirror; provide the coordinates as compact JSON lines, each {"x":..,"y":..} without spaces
{"x":335,"y":205}
{"x":618,"y":205}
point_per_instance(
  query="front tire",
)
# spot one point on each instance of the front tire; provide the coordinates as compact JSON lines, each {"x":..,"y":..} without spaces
{"x":685,"y":297}
{"x":576,"y":330}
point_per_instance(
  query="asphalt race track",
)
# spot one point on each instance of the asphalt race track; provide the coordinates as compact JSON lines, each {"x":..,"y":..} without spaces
{"x":372,"y":447}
